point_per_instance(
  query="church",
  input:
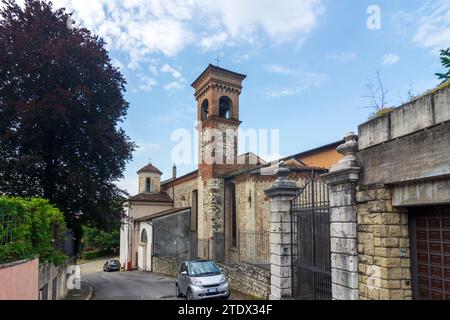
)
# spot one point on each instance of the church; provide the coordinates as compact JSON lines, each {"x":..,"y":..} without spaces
{"x":219,"y":211}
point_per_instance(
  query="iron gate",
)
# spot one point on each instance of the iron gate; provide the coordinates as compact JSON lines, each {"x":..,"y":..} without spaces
{"x":311,"y":260}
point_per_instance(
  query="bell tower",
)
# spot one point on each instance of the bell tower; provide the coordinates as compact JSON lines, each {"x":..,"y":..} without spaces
{"x":217,"y":92}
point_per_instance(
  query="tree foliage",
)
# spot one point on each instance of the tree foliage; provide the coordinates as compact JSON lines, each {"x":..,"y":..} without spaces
{"x":30,"y":227}
{"x":445,"y":60}
{"x":61,"y":105}
{"x":102,"y":241}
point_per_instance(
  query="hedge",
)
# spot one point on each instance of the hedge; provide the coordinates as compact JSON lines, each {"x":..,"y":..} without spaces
{"x":28,"y":228}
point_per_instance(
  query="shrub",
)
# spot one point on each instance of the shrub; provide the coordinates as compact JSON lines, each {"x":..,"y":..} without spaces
{"x":30,"y":227}
{"x":91,"y":255}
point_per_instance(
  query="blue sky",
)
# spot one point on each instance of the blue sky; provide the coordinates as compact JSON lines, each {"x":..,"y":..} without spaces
{"x":308,"y":63}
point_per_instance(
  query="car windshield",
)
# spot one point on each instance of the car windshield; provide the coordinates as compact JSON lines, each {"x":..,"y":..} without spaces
{"x":203,"y":268}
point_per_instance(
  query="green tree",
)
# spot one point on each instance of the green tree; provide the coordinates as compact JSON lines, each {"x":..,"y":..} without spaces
{"x":445,"y":60}
{"x":61,"y":106}
{"x":107,"y":242}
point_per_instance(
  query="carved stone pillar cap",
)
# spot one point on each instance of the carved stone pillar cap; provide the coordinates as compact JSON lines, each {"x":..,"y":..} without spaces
{"x":283,"y":186}
{"x":350,"y":145}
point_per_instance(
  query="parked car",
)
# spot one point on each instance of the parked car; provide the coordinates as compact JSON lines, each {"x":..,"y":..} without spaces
{"x":111,"y":265}
{"x":201,"y":279}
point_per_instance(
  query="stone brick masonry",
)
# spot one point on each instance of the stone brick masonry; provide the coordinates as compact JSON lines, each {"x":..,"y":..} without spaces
{"x":383,"y":246}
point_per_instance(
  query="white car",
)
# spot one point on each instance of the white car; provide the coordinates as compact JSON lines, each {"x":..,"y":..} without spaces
{"x":201,"y":279}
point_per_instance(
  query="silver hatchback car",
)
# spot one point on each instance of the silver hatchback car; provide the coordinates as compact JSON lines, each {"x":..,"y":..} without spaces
{"x":201,"y":279}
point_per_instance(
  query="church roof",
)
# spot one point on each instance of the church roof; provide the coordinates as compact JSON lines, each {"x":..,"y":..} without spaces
{"x":152,"y":197}
{"x":150,"y":168}
{"x":162,"y":214}
{"x":212,"y":68}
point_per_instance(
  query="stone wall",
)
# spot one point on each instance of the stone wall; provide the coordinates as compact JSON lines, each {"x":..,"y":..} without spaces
{"x":166,"y":266}
{"x":182,"y":193}
{"x":211,"y":219}
{"x":383,"y":246}
{"x":248,"y":279}
{"x":244,"y":278}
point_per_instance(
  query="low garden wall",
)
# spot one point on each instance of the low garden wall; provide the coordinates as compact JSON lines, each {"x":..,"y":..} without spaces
{"x":19,"y":280}
{"x":53,"y":281}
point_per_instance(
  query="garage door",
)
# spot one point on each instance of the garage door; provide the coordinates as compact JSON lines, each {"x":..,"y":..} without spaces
{"x":431,"y":253}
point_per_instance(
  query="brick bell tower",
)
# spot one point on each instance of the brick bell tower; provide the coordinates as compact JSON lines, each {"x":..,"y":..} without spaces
{"x":217,"y":92}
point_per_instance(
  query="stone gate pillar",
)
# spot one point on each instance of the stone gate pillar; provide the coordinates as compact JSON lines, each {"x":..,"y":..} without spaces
{"x":281,"y":194}
{"x":342,"y":180}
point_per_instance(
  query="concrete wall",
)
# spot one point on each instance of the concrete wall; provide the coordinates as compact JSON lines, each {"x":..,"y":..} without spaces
{"x":172,"y":235}
{"x":417,"y":115}
{"x":420,"y":155}
{"x":52,"y":281}
{"x":19,"y":280}
{"x":408,"y":145}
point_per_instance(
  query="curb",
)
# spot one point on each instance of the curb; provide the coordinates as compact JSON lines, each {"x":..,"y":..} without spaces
{"x":90,"y":289}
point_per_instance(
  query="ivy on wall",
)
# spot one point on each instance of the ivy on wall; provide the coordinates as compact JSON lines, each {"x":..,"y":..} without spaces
{"x":29,"y":228}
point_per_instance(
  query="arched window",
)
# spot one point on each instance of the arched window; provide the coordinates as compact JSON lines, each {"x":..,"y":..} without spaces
{"x":225,"y":104}
{"x":205,"y":109}
{"x":144,"y":238}
{"x":148,"y":185}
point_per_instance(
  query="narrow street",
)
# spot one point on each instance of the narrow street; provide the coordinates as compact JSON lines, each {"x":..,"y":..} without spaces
{"x":131,"y":285}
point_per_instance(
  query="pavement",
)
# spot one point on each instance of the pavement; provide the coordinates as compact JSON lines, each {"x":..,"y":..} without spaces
{"x":126,"y":285}
{"x":85,"y":293}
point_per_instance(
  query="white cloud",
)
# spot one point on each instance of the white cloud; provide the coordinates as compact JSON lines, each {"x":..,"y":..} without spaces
{"x":143,"y":28}
{"x":281,"y":20}
{"x":147,"y":83}
{"x":174,"y":72}
{"x":174,"y":86}
{"x":179,"y":81}
{"x":429,"y":26}
{"x":343,"y":57}
{"x":390,"y":59}
{"x":305,"y":82}
{"x":279,"y":69}
{"x":213,"y":42}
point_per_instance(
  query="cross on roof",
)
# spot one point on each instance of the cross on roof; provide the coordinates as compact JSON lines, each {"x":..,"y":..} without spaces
{"x":218,"y":61}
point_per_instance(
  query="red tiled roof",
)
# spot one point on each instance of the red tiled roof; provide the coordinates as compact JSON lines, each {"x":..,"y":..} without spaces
{"x":150,"y":168}
{"x":162,"y":214}
{"x":152,"y":197}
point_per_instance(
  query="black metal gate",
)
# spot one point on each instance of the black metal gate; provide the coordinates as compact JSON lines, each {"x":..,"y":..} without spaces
{"x":311,"y":260}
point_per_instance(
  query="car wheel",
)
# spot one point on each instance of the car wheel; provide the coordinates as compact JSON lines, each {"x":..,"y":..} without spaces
{"x":189,"y":295}
{"x":178,"y":293}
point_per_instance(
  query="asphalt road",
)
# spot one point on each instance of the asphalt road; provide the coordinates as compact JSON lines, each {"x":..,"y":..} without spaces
{"x":130,"y":286}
